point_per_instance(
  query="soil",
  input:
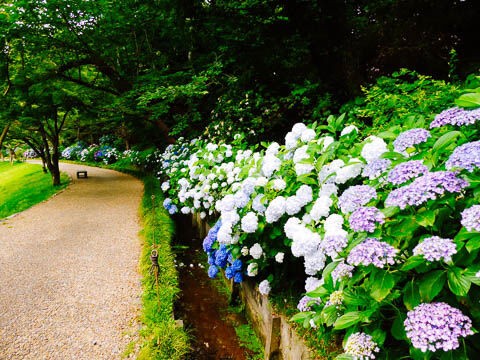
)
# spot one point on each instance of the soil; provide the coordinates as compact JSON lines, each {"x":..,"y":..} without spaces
{"x":202,"y":307}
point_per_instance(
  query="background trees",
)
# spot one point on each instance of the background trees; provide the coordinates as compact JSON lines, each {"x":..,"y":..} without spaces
{"x":159,"y":69}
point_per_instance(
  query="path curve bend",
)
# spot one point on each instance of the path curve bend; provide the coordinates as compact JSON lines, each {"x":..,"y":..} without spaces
{"x":69,"y":281}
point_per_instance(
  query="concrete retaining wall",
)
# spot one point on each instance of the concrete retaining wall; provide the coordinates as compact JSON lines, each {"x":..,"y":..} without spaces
{"x":280,"y":339}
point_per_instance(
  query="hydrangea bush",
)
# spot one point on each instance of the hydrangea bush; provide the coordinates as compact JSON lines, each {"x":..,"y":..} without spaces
{"x":386,"y":227}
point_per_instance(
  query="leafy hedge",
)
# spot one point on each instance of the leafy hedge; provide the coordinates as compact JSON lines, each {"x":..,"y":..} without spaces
{"x":386,"y":227}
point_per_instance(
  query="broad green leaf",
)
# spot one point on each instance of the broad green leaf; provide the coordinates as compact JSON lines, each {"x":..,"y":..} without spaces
{"x":300,"y":317}
{"x":329,"y":315}
{"x":473,"y":243}
{"x":390,"y":211}
{"x":347,"y":320}
{"x":412,"y":262}
{"x":381,"y":285}
{"x":344,"y":357}
{"x":398,"y":329}
{"x":320,"y":292}
{"x":411,"y":295}
{"x":445,"y":140}
{"x":307,"y":179}
{"x":457,"y":282}
{"x":431,"y":284}
{"x":469,"y":100}
{"x":426,"y":218}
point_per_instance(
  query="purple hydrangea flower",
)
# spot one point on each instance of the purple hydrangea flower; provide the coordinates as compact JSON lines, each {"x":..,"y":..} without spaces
{"x":306,"y":302}
{"x":455,"y":116}
{"x":425,"y":188}
{"x":334,"y":243}
{"x":360,"y":346}
{"x":342,"y":271}
{"x":365,"y":219}
{"x":356,"y":196}
{"x":471,"y":218}
{"x":466,"y":156}
{"x":436,"y":249}
{"x":410,"y":138}
{"x":372,"y":251}
{"x":436,"y":326}
{"x":376,"y":168}
{"x":406,"y":171}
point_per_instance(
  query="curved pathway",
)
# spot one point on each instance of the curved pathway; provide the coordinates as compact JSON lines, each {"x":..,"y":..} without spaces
{"x":69,"y":286}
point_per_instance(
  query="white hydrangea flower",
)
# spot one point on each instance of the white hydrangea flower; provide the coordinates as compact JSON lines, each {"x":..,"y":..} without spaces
{"x":241,"y":199}
{"x":327,"y":172}
{"x":348,"y":129}
{"x":321,"y":208}
{"x":290,"y":141}
{"x":314,"y":262}
{"x":374,"y":148}
{"x":264,"y":287}
{"x":300,"y":154}
{"x":252,"y":269}
{"x":333,"y":223}
{"x":257,"y":204}
{"x":261,"y":181}
{"x":244,"y":251}
{"x":313,"y":283}
{"x":230,"y":217}
{"x":307,"y":135}
{"x":292,"y":225}
{"x":224,"y":235}
{"x":256,"y":251}
{"x":279,"y":184}
{"x":165,"y":186}
{"x":326,"y":141}
{"x":270,"y":165}
{"x":272,"y":149}
{"x":185,"y":210}
{"x":303,"y":169}
{"x":250,"y":222}
{"x":350,"y":171}
{"x":211,"y":147}
{"x":298,"y":129}
{"x":306,"y":218}
{"x":203,"y":215}
{"x":305,"y":194}
{"x":305,"y":242}
{"x":293,"y":205}
{"x":275,"y":209}
{"x":279,"y":257}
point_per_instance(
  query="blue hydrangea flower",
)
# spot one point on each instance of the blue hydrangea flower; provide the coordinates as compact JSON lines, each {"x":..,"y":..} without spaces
{"x":211,"y":236}
{"x":466,"y":156}
{"x":212,"y":271}
{"x":229,"y":272}
{"x":221,"y":256}
{"x":410,"y":138}
{"x":427,"y":187}
{"x":406,"y":171}
{"x":238,"y":277}
{"x":237,"y":265}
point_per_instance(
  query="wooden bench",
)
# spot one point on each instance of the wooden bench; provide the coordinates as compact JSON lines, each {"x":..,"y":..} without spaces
{"x":82,"y":174}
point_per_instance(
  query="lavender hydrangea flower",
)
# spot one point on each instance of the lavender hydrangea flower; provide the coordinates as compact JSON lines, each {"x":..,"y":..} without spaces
{"x":361,"y":346}
{"x":372,"y":251}
{"x":435,"y":248}
{"x":306,"y":302}
{"x":376,"y":168}
{"x":410,"y":138}
{"x":366,"y":218}
{"x":334,"y":242}
{"x":425,"y":188}
{"x":455,"y":116}
{"x":471,"y":218}
{"x":466,"y":156}
{"x":342,"y":271}
{"x":436,"y":326}
{"x":406,"y":171}
{"x":356,"y":196}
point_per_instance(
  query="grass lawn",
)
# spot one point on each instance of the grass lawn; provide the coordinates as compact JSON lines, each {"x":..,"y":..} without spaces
{"x":23,"y":185}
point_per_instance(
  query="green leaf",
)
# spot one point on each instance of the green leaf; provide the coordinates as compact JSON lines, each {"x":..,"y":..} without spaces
{"x":390,"y":211}
{"x":329,"y":315}
{"x":300,"y":317}
{"x":347,"y":320}
{"x":473,"y":243}
{"x":412,"y":262}
{"x":344,"y":357}
{"x":426,"y":218}
{"x":431,"y":284}
{"x":445,"y":140}
{"x":411,"y":295}
{"x":468,"y":100}
{"x":457,"y":282}
{"x":381,"y":285}
{"x":398,"y":329}
{"x":307,"y":179}
{"x":320,"y":292}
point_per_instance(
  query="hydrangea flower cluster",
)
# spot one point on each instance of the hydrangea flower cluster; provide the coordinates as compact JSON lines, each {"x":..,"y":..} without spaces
{"x":264,"y":287}
{"x":466,"y":156}
{"x":410,"y":138}
{"x":306,"y":303}
{"x":471,"y":218}
{"x":427,"y":187}
{"x":436,"y":326}
{"x":455,"y":116}
{"x":355,"y":197}
{"x":376,"y":168}
{"x":406,"y":171}
{"x":342,"y":271}
{"x":360,"y":346}
{"x":372,"y":251}
{"x":435,"y":248}
{"x":366,"y":218}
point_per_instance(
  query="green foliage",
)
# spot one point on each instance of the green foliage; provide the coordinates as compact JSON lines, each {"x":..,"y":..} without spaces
{"x":161,"y":338}
{"x":250,"y":341}
{"x":402,"y":96}
{"x":24,"y":185}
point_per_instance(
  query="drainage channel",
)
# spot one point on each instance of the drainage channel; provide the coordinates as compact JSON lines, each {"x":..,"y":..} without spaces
{"x":201,"y":306}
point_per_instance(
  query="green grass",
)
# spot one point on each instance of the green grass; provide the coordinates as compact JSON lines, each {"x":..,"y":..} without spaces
{"x":23,"y":185}
{"x":161,"y":338}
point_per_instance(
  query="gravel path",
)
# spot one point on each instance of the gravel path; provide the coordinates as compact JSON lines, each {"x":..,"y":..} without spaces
{"x":69,"y":285}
